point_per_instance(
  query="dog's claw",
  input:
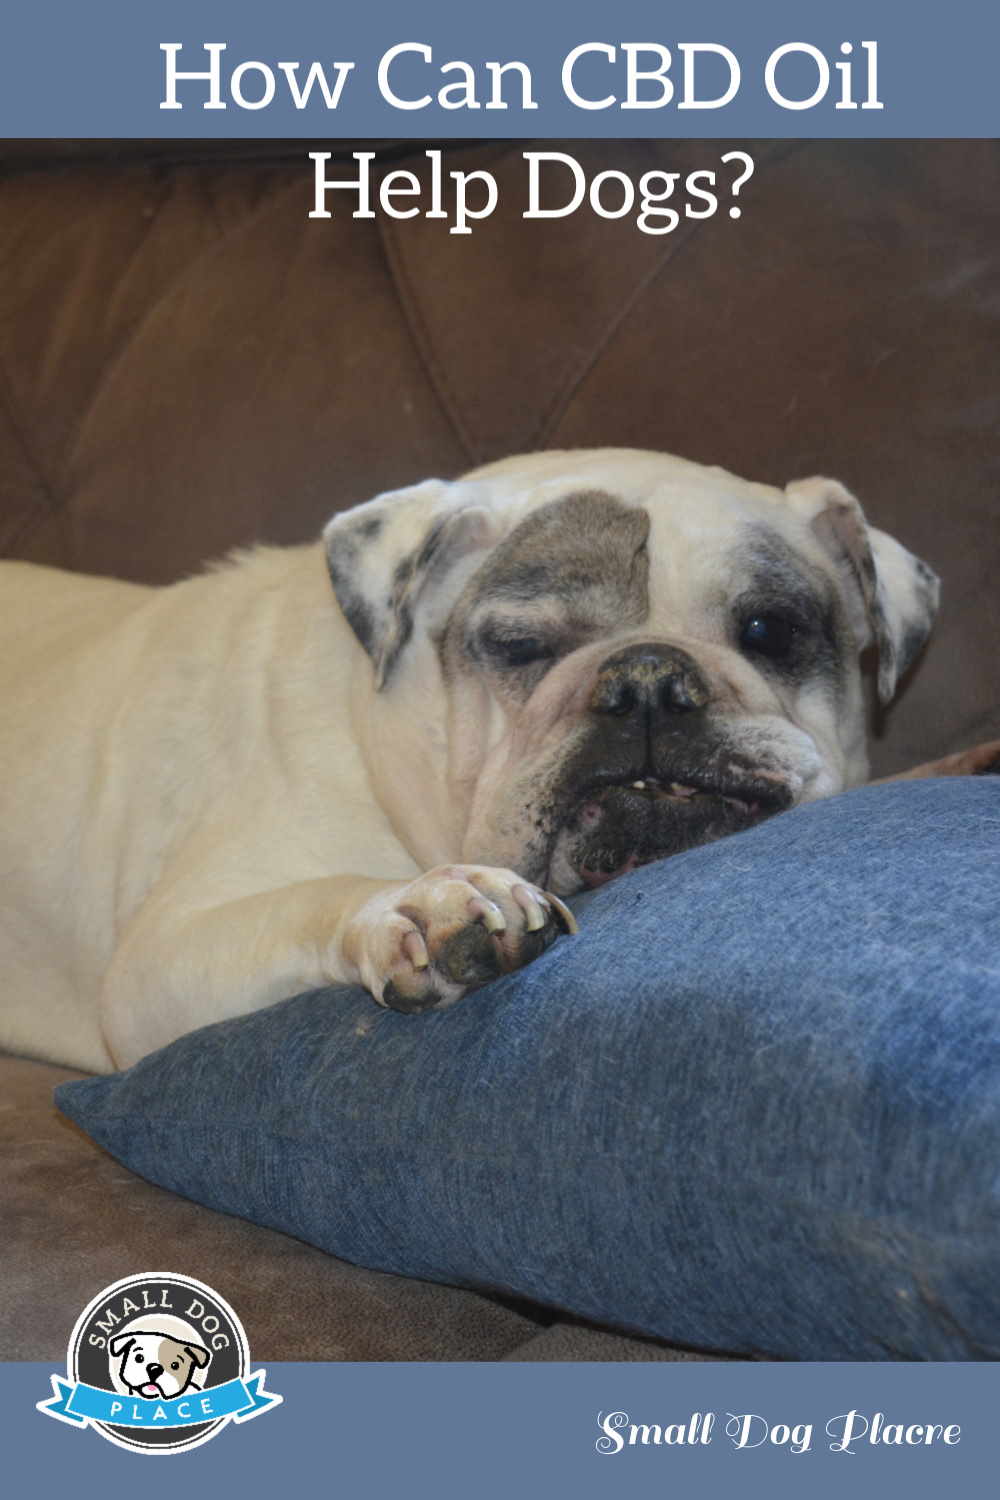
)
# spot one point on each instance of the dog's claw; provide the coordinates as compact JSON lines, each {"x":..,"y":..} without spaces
{"x":488,"y":913}
{"x":564,"y":914}
{"x":416,"y":950}
{"x":530,"y":904}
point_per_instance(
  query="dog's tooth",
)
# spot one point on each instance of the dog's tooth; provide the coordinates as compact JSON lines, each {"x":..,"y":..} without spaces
{"x":677,"y":789}
{"x":640,"y":786}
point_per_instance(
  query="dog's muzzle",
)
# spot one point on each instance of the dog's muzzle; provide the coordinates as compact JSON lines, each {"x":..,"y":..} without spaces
{"x":657,"y":775}
{"x":150,"y":1387}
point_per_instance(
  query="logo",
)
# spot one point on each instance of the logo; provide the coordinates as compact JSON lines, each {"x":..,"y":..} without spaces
{"x":158,"y":1363}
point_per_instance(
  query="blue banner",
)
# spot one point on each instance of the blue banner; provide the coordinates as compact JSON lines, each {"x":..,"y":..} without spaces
{"x":81,"y":1403}
{"x":591,"y":1430}
{"x":248,"y":68}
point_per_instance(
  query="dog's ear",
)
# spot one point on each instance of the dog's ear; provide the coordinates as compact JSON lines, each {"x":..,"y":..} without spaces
{"x":121,"y":1343}
{"x":391,"y":556}
{"x":892,"y":596}
{"x":200,"y":1356}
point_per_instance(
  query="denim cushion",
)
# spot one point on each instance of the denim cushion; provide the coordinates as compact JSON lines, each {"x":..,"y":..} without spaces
{"x":754,"y":1106}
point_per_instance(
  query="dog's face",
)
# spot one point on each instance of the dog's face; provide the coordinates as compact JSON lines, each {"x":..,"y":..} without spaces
{"x":155,"y":1365}
{"x":612,"y":656}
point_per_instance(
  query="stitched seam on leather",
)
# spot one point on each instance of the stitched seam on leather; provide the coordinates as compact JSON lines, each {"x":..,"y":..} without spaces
{"x":560,"y":406}
{"x":110,"y":367}
{"x":420,"y":338}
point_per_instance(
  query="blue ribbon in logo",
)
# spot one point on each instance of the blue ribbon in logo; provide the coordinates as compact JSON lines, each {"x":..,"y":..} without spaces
{"x":80,"y":1403}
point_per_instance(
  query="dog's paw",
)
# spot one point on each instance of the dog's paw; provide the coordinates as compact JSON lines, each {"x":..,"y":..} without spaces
{"x":426,"y":944}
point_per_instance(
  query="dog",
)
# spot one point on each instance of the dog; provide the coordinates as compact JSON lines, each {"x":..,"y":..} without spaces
{"x":391,"y":756}
{"x":156,"y":1365}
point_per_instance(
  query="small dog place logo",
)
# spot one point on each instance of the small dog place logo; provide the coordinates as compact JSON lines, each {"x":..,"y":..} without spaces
{"x":158,"y":1363}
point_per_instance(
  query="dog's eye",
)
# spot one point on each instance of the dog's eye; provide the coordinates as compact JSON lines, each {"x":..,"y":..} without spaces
{"x":517,"y":650}
{"x":770,"y":635}
{"x":174,"y":1365}
{"x":524,"y":649}
{"x":139,"y":1360}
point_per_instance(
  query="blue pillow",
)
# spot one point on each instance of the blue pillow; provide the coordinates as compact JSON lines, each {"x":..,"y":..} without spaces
{"x":754,"y":1106}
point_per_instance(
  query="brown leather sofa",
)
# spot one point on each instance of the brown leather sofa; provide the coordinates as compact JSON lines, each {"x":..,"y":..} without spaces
{"x":189,"y":363}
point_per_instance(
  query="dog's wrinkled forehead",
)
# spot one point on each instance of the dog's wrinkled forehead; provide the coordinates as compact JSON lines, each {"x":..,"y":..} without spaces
{"x":592,"y":564}
{"x":584,"y":553}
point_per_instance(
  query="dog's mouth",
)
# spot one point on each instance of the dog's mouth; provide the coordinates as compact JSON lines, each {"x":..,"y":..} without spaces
{"x":748,"y":801}
{"x":149,"y":1390}
{"x":619,"y":824}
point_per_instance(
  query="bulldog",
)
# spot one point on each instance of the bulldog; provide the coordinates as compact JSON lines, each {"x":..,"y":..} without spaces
{"x":391,"y":756}
{"x":155,"y":1365}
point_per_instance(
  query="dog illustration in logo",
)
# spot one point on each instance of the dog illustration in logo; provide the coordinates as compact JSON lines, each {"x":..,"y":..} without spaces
{"x":154,"y":1364}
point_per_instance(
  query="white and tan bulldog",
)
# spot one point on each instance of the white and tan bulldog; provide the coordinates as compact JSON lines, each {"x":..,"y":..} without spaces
{"x":521,"y":683}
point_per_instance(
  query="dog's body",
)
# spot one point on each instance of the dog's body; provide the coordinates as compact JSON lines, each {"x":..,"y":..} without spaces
{"x":221,"y":793}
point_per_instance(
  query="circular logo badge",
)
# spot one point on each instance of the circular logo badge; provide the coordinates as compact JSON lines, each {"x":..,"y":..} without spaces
{"x":158,"y":1362}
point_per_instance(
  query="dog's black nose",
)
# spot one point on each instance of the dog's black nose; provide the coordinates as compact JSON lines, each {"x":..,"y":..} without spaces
{"x":154,"y":1371}
{"x":649,"y":679}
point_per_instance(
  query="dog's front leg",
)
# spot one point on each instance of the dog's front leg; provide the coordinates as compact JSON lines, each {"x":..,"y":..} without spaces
{"x":414,"y":945}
